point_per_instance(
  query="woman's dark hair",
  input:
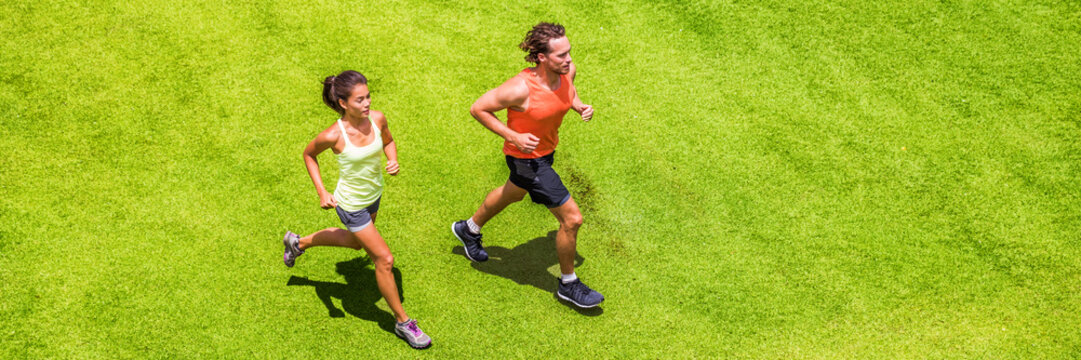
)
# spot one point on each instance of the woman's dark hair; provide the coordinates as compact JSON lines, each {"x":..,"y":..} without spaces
{"x":536,"y":40}
{"x":339,"y":87}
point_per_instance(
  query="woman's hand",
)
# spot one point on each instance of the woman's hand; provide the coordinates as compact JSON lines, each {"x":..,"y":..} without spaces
{"x":392,"y":167}
{"x":326,"y":200}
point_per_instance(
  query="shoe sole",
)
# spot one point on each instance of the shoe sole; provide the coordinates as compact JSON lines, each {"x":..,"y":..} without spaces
{"x":576,"y":303}
{"x":285,"y":242}
{"x":464,"y":247}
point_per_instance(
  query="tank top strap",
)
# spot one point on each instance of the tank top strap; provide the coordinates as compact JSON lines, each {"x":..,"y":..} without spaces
{"x":527,"y":77}
{"x":375,"y":128}
{"x":565,"y":84}
{"x":345,"y":135}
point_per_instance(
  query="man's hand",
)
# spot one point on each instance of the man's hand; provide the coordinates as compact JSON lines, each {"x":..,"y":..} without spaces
{"x":586,"y":111}
{"x":525,"y":142}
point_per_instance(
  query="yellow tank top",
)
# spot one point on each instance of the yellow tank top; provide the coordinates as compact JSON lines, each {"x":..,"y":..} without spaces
{"x":361,"y":179}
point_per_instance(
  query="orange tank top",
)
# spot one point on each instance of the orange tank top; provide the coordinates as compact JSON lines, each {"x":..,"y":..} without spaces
{"x":543,"y":116}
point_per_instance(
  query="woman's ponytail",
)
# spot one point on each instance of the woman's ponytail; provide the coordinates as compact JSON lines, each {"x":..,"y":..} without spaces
{"x":340,"y":87}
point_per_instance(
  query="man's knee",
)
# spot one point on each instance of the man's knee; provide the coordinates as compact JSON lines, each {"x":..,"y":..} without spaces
{"x":385,"y":261}
{"x":572,"y":221}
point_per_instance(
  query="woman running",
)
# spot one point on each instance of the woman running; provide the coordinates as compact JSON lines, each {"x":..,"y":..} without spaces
{"x":356,"y":138}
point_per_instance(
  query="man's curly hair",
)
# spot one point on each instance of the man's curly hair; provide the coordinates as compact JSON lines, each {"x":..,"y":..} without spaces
{"x":536,"y":40}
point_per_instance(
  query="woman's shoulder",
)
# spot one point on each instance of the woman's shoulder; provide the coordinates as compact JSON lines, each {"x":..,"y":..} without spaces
{"x":330,"y":134}
{"x":378,"y":118}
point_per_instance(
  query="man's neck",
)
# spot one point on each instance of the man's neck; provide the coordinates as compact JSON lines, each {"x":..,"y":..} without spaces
{"x":547,"y":77}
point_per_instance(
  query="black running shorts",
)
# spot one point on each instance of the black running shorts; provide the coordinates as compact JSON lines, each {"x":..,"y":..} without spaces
{"x":537,"y":176}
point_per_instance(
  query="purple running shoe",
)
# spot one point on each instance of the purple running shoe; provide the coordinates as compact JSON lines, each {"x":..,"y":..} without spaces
{"x":292,"y":248}
{"x":412,"y":334}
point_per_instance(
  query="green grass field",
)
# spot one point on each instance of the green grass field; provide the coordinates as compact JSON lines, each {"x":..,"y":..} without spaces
{"x":761,"y":180}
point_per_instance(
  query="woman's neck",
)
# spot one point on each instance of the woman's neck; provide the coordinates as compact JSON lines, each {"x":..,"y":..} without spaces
{"x":356,"y":122}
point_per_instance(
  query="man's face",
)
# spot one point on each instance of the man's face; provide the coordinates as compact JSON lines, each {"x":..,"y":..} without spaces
{"x":558,"y":58}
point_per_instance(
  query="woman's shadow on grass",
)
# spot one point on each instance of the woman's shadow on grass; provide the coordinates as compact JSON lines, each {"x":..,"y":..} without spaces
{"x":527,"y":264}
{"x":358,"y":294}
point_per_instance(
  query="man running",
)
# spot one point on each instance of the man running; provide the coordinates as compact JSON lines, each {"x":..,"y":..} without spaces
{"x":536,"y":100}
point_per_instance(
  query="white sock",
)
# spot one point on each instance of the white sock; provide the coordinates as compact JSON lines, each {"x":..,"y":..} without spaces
{"x":473,"y":227}
{"x":566,"y":278}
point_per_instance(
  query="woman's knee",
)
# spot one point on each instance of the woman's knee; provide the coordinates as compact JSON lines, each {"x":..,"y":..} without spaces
{"x":346,"y":238}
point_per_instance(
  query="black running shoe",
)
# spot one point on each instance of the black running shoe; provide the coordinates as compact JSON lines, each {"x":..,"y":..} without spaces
{"x":579,"y":294}
{"x":473,"y":250}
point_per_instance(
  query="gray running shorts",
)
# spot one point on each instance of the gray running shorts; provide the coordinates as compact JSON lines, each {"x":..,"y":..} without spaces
{"x":360,"y":219}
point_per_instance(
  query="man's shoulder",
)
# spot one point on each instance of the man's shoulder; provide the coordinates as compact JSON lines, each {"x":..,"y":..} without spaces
{"x":519,"y":79}
{"x":514,"y":88}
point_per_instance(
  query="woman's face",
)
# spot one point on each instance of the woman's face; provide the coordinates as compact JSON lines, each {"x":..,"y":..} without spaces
{"x":359,"y":102}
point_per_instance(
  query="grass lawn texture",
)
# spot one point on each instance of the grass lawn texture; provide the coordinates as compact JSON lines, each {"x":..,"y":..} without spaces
{"x":771,"y":179}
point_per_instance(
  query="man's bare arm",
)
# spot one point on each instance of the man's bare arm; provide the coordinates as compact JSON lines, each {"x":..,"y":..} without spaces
{"x":512,"y":94}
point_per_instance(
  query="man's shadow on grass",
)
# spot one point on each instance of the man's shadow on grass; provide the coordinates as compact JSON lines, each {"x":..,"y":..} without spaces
{"x":527,"y":264}
{"x":358,"y":294}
